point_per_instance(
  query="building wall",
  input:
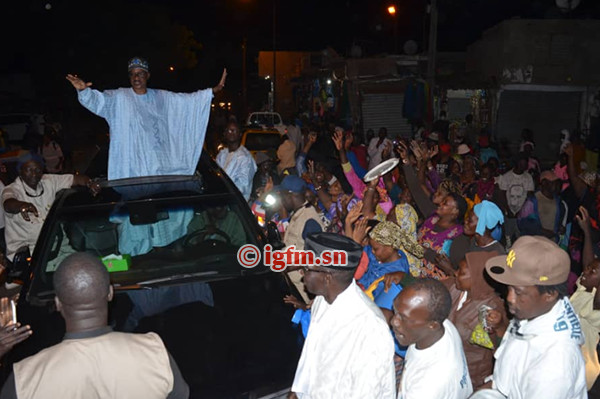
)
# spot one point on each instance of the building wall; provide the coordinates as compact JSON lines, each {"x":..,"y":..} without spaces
{"x":546,"y":52}
{"x":289,"y":65}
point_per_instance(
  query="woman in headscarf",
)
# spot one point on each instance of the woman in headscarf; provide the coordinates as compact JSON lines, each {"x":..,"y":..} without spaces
{"x":405,"y":216}
{"x":481,"y":230}
{"x":445,"y":224}
{"x":386,"y":254}
{"x":470,"y":292}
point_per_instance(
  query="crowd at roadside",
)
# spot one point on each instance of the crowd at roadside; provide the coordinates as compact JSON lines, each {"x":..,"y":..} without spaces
{"x":512,"y":245}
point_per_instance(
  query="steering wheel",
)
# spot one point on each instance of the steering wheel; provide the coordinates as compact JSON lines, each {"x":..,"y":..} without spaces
{"x":198,"y":236}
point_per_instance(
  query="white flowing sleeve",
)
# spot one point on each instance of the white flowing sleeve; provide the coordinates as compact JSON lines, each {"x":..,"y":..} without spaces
{"x":100,"y":103}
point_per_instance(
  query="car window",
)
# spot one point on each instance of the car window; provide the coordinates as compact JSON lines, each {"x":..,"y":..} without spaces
{"x":262,"y":141}
{"x":152,"y":240}
{"x":265,"y":119}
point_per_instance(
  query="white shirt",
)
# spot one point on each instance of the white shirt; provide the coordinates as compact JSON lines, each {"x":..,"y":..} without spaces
{"x":2,"y":224}
{"x":437,"y":372}
{"x":541,"y":358}
{"x":375,"y":151}
{"x":348,"y":352}
{"x":20,"y":232}
{"x":240,"y":167}
{"x":516,"y":187}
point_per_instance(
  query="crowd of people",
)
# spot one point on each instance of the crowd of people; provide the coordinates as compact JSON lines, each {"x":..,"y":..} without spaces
{"x":468,"y":274}
{"x":470,"y":259}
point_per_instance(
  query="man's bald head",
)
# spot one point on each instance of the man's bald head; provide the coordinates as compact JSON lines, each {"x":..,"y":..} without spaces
{"x":81,"y":279}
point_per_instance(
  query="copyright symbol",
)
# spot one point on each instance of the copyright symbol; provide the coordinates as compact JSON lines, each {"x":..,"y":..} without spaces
{"x":248,"y":256}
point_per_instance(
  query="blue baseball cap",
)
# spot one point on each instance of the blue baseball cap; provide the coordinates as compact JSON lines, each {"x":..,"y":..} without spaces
{"x":293,"y":183}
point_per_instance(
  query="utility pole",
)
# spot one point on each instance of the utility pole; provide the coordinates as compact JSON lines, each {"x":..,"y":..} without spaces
{"x":274,"y":77}
{"x":432,"y":49}
{"x":244,"y":82}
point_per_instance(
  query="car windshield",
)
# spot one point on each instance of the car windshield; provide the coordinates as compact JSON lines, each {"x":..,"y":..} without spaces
{"x":265,"y":119}
{"x":150,"y":241}
{"x":262,"y":141}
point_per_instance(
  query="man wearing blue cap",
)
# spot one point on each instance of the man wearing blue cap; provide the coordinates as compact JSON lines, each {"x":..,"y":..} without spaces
{"x":152,"y":132}
{"x":348,"y":352}
{"x":28,"y":200}
{"x":304,"y":220}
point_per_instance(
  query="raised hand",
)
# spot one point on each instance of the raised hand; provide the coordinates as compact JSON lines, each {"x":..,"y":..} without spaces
{"x":360,"y":230}
{"x":77,"y":82}
{"x":403,"y":151}
{"x":338,"y":139}
{"x":583,"y":218}
{"x":221,"y":84}
{"x":354,"y":213}
{"x":12,"y":334}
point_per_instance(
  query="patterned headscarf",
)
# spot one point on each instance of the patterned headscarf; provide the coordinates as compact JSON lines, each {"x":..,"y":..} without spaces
{"x":450,"y":186}
{"x":390,"y":234}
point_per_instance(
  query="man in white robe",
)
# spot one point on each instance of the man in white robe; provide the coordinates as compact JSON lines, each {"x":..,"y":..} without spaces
{"x":236,"y":160}
{"x":348,"y":352}
{"x":152,"y":132}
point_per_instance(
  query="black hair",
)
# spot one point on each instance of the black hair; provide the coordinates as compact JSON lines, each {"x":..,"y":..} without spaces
{"x":440,"y":302}
{"x":560,"y":289}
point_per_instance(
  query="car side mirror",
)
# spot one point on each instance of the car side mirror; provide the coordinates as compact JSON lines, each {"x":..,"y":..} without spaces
{"x":273,"y":236}
{"x":20,"y":265}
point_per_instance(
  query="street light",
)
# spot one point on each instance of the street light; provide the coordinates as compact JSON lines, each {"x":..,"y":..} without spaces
{"x":392,"y":11}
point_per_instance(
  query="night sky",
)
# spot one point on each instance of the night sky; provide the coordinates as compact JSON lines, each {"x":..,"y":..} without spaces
{"x":48,"y":39}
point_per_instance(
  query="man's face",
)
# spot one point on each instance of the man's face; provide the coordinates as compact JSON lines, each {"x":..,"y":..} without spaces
{"x":315,"y":279}
{"x":526,"y":302}
{"x":590,"y":278}
{"x":139,"y":79}
{"x":31,"y":173}
{"x":232,"y":134}
{"x":411,"y":321}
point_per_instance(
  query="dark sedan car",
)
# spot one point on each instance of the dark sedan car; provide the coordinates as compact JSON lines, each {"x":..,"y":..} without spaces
{"x":171,"y":245}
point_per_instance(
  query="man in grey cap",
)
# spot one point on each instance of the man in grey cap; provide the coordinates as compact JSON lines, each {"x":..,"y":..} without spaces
{"x":540,"y":354}
{"x":348,"y":352}
{"x":152,"y":132}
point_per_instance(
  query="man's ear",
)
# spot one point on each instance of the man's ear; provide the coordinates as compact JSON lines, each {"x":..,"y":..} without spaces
{"x":551,"y":296}
{"x":148,"y":77}
{"x":57,"y":303}
{"x":434,"y":325}
{"x":111,"y":293}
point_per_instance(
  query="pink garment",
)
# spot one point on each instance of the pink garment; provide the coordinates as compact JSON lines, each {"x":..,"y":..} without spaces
{"x":561,"y":172}
{"x":359,"y":187}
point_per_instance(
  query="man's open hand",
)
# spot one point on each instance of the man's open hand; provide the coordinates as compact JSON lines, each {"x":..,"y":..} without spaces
{"x":221,"y":84}
{"x":77,"y":82}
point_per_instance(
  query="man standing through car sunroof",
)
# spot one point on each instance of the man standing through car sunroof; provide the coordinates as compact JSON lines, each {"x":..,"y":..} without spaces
{"x":152,"y":132}
{"x":92,"y":361}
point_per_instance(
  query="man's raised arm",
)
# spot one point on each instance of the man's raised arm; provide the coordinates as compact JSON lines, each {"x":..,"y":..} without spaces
{"x":221,"y":84}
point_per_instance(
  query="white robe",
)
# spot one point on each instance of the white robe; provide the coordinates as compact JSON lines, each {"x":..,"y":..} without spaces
{"x":348,"y":352}
{"x":240,"y":167}
{"x":152,"y":134}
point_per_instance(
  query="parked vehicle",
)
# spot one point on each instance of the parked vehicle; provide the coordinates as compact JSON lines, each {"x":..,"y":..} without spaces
{"x":258,"y":140}
{"x":233,"y":338}
{"x":266,"y":120}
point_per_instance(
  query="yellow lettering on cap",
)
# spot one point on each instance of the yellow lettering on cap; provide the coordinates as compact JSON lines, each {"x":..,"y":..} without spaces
{"x":510,"y":258}
{"x":543,"y":278}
